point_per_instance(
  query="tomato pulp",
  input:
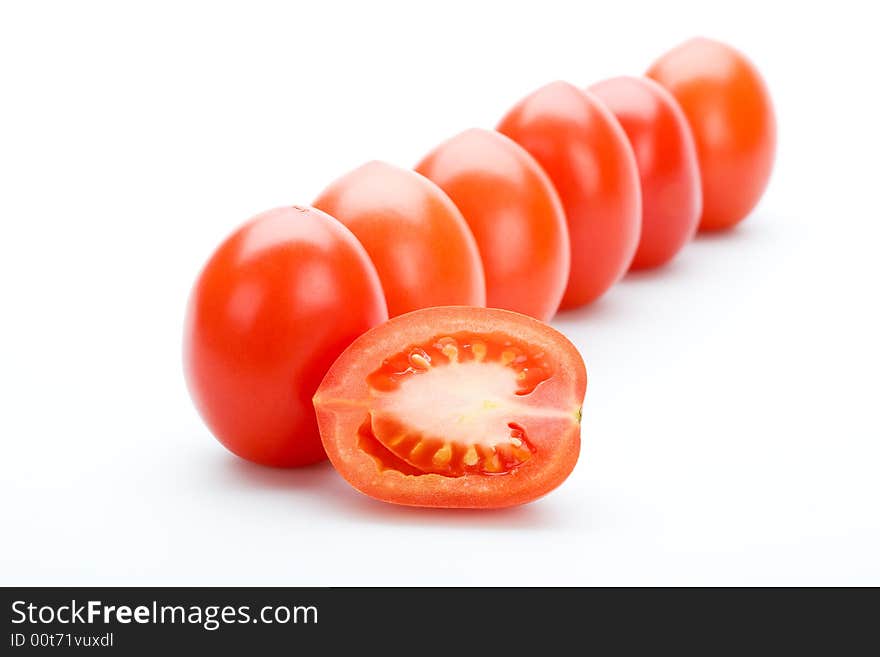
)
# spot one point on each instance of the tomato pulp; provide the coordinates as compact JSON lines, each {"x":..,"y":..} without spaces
{"x":731,"y":115}
{"x":666,"y":157}
{"x":515,"y":215}
{"x":454,"y":407}
{"x":583,"y":149}
{"x":422,"y":248}
{"x":274,"y":306}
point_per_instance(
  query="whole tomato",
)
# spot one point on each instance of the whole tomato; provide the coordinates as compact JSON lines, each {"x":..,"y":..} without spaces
{"x":731,"y":115}
{"x":583,"y":149}
{"x":666,"y":156}
{"x":415,"y":235}
{"x":271,"y":310}
{"x":515,"y":214}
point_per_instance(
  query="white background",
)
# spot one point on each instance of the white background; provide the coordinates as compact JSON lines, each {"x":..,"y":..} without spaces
{"x":731,"y":429}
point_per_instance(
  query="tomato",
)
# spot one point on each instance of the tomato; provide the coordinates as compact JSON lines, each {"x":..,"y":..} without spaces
{"x":731,"y":115}
{"x":274,"y":306}
{"x":422,"y":248}
{"x":515,"y":215}
{"x":667,"y":160}
{"x":585,"y":152}
{"x":454,"y":407}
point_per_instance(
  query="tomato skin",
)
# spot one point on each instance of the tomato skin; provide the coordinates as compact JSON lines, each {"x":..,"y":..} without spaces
{"x":666,"y":156}
{"x":515,"y":215}
{"x":422,"y":248}
{"x":257,"y":340}
{"x":731,"y":116}
{"x":586,"y":154}
{"x":344,"y":399}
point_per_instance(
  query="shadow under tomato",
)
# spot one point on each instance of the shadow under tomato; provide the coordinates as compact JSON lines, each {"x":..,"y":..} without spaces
{"x":685,"y":265}
{"x":741,"y":232}
{"x":322,"y":482}
{"x":672,"y":270}
{"x":603,"y":309}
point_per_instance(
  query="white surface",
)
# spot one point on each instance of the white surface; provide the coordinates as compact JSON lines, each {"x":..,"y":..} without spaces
{"x":730,"y":432}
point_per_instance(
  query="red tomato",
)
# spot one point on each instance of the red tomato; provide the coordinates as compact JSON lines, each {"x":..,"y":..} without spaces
{"x":515,"y":215}
{"x":274,"y":306}
{"x":422,"y":248}
{"x":667,"y":160}
{"x":730,"y":113}
{"x":585,"y":152}
{"x":454,"y":407}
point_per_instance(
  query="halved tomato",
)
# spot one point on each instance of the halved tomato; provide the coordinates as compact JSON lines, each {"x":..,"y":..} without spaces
{"x":454,"y":406}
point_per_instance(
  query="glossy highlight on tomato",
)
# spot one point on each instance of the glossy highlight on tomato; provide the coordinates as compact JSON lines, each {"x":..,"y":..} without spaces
{"x":415,"y":235}
{"x":586,"y":154}
{"x":458,"y":407}
{"x":271,"y":310}
{"x":730,"y":113}
{"x":515,"y":215}
{"x":669,"y":173}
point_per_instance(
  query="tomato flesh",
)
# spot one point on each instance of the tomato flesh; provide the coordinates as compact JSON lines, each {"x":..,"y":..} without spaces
{"x":481,"y":377}
{"x":454,"y":407}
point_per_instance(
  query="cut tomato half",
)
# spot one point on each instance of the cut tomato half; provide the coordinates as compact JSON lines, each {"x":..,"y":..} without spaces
{"x":454,"y":406}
